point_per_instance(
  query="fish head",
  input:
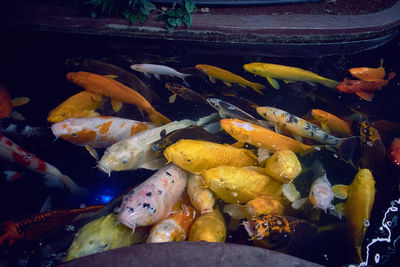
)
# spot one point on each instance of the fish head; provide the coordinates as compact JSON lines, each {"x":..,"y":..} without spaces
{"x":321,"y":196}
{"x":74,"y":130}
{"x":188,"y":154}
{"x":238,"y":129}
{"x":79,"y":78}
{"x":138,"y":67}
{"x":319,"y":115}
{"x":368,"y":133}
{"x":120,"y":156}
{"x":62,"y":112}
{"x":255,"y":68}
{"x":271,"y":114}
{"x":363,"y":181}
{"x":203,"y":68}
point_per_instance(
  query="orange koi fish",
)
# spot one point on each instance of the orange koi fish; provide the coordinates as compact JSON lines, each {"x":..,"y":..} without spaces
{"x":228,"y":77}
{"x":6,"y":104}
{"x":117,"y":91}
{"x":364,"y":89}
{"x":394,"y":151}
{"x":369,"y":74}
{"x":331,"y":124}
{"x":261,"y":137}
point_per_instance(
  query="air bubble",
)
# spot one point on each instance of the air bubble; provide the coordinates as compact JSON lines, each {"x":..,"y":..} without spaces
{"x":335,"y":155}
{"x":377,"y":258}
{"x":366,"y":223}
{"x":389,"y":223}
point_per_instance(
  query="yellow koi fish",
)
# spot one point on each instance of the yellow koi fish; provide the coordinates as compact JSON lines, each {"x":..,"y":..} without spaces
{"x":287,"y":74}
{"x":209,"y":227}
{"x":197,"y":156}
{"x":283,"y":166}
{"x":331,"y":124}
{"x":228,"y":77}
{"x":254,"y":208}
{"x":261,"y":137}
{"x":360,"y":196}
{"x":202,"y":199}
{"x":82,"y":104}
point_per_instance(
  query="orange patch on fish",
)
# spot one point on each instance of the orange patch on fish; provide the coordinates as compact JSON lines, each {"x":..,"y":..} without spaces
{"x":103,"y":128}
{"x":82,"y":137}
{"x":138,"y":128}
{"x":122,"y":125}
{"x":64,"y":125}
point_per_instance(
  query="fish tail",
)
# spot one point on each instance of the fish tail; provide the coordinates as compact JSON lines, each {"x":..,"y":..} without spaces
{"x":236,"y":211}
{"x":257,"y":87}
{"x":68,"y":182}
{"x":329,"y":83}
{"x":157,"y":118}
{"x":347,"y":146}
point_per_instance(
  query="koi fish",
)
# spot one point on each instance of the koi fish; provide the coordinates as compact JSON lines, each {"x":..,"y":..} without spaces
{"x":102,"y":234}
{"x":300,"y":127}
{"x":12,"y":152}
{"x":98,"y":132}
{"x":185,"y":93}
{"x":7,"y":104}
{"x":283,"y":166}
{"x":175,"y":227}
{"x":33,"y":227}
{"x":360,"y":196}
{"x":373,"y":151}
{"x":261,"y":137}
{"x":202,"y":198}
{"x":364,"y":89}
{"x":254,"y":208}
{"x":369,"y":74}
{"x":153,"y":200}
{"x":197,"y":156}
{"x":82,"y":104}
{"x":240,"y":185}
{"x":136,"y":151}
{"x":331,"y":124}
{"x":116,"y":91}
{"x":209,"y":227}
{"x":158,"y":70}
{"x":287,"y":74}
{"x":228,"y":77}
{"x":227,"y":110}
{"x":394,"y":151}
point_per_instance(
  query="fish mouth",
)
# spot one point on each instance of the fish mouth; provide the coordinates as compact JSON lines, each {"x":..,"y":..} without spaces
{"x":104,"y":169}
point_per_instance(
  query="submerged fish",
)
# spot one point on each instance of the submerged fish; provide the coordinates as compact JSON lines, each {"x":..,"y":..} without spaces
{"x":197,"y":156}
{"x":331,"y":124}
{"x":228,"y":77}
{"x":360,"y":196}
{"x":254,"y":208}
{"x":369,"y":74}
{"x":7,"y":104}
{"x":101,"y":235}
{"x":82,"y":104}
{"x":202,"y":198}
{"x":136,"y":151}
{"x":394,"y":151}
{"x":209,"y":227}
{"x":33,"y":227}
{"x":372,"y":149}
{"x":364,"y":89}
{"x":153,"y":200}
{"x":158,"y":70}
{"x":287,"y":74}
{"x":116,"y":91}
{"x":12,"y":152}
{"x":185,"y":93}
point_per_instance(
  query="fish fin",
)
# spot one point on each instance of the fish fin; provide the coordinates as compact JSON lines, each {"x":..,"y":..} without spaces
{"x":157,"y":118}
{"x":325,"y":127}
{"x":17,"y":116}
{"x":236,"y":211}
{"x":239,"y":144}
{"x":340,"y":191}
{"x":147,"y":75}
{"x":300,"y":203}
{"x":111,"y":76}
{"x":227,"y":83}
{"x":212,"y":79}
{"x":257,"y":87}
{"x":297,"y":137}
{"x":329,"y":83}
{"x":154,"y":164}
{"x":311,"y":83}
{"x":213,"y":128}
{"x":72,"y":186}
{"x":290,"y":192}
{"x":47,"y":205}
{"x":347,"y":146}
{"x":116,"y":105}
{"x":172,"y":98}
{"x":92,"y":152}
{"x":157,"y":76}
{"x":262,"y":155}
{"x":19,"y":101}
{"x":242,"y":85}
{"x":381,"y":61}
{"x":89,"y":113}
{"x":12,"y":175}
{"x":366,"y":96}
{"x":390,"y":76}
{"x":340,"y":209}
{"x":286,"y":81}
{"x":274,"y":83}
{"x":266,"y":124}
{"x":207,"y":119}
{"x":278,"y":129}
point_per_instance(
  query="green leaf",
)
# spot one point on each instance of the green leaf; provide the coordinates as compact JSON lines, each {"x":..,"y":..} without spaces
{"x":169,"y":27}
{"x":178,"y":21}
{"x":142,"y":18}
{"x":189,"y":6}
{"x":162,"y":17}
{"x":179,"y":12}
{"x":187,"y":19}
{"x":171,"y":13}
{"x":132,"y":19}
{"x":171,"y":21}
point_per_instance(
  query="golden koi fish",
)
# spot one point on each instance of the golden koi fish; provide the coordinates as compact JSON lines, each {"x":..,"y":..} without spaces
{"x":228,"y":77}
{"x":254,"y":208}
{"x":197,"y":156}
{"x":261,"y":137}
{"x":287,"y":74}
{"x":202,"y":199}
{"x":331,"y":124}
{"x":360,"y":196}
{"x":209,"y":227}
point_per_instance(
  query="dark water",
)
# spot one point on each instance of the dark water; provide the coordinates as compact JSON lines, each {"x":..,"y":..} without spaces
{"x":32,"y":65}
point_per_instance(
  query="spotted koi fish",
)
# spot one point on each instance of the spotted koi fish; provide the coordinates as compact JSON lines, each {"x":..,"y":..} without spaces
{"x":14,"y":153}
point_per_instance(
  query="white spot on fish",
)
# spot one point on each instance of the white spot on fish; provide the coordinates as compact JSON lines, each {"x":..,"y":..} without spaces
{"x":244,"y":125}
{"x":335,"y":156}
{"x":366,"y":223}
{"x":234,"y":194}
{"x":369,"y":143}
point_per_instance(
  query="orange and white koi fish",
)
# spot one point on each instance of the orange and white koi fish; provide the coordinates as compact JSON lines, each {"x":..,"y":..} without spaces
{"x":360,"y":196}
{"x":261,"y":137}
{"x":174,"y":228}
{"x":98,"y":132}
{"x":116,"y":91}
{"x":14,"y":153}
{"x":369,"y":74}
{"x":331,"y":124}
{"x":287,"y":74}
{"x":364,"y":89}
{"x":153,"y":200}
{"x":158,"y":70}
{"x":228,"y":77}
{"x":6,"y":104}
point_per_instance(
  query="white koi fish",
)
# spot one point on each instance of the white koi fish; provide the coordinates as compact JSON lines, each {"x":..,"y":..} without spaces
{"x":136,"y":151}
{"x":153,"y":200}
{"x":14,"y":153}
{"x":158,"y":70}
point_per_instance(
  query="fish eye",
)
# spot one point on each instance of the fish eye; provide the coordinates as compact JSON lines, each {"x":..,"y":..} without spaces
{"x":105,"y":245}
{"x":74,"y":135}
{"x":125,"y":161}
